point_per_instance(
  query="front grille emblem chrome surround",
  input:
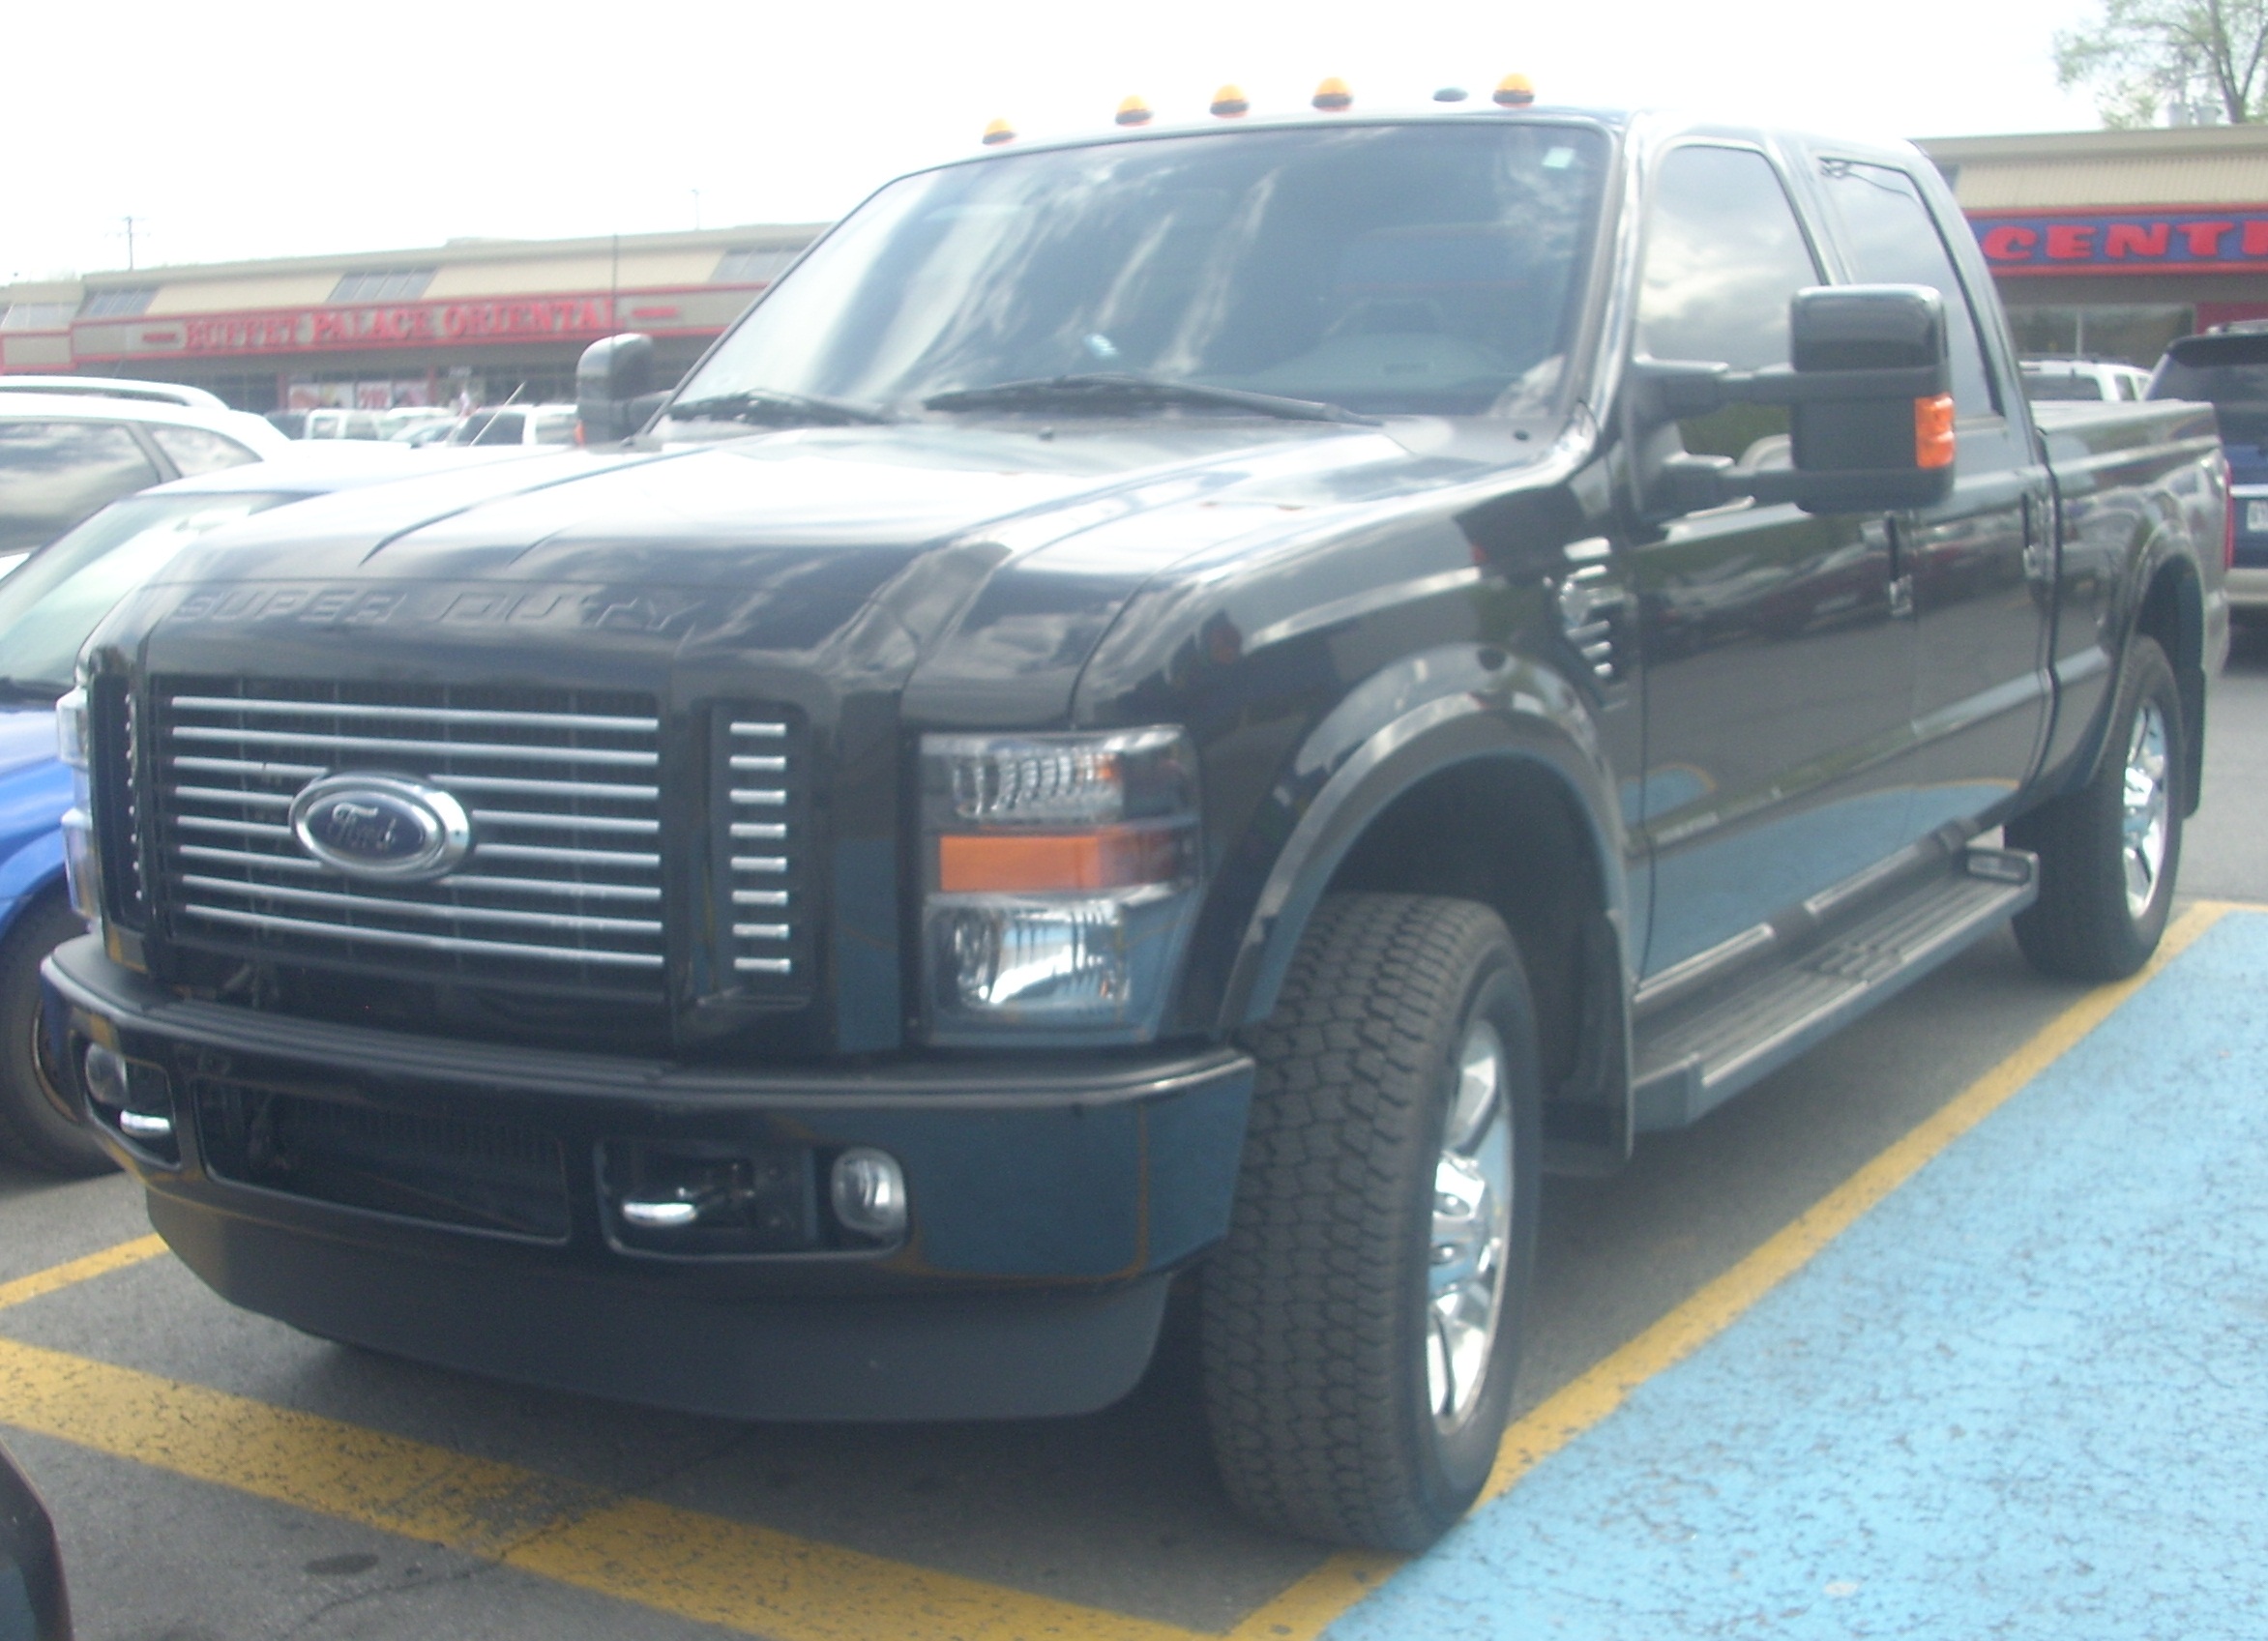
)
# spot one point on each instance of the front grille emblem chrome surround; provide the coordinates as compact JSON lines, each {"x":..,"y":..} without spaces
{"x":382,"y":826}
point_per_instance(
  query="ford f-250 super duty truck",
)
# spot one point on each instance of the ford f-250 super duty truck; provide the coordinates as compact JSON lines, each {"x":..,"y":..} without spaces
{"x":1192,"y":707}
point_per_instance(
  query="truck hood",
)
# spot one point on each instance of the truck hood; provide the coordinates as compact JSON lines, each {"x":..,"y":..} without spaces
{"x":1018,"y":543}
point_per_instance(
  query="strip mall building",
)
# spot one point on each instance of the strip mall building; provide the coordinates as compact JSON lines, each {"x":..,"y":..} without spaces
{"x":2107,"y":243}
{"x":469,"y":321}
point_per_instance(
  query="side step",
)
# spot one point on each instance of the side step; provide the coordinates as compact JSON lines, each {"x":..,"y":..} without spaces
{"x":1693,"y":1058}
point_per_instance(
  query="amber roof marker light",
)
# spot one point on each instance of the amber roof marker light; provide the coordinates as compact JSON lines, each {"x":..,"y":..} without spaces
{"x":1229,"y":102}
{"x":1133,"y":111}
{"x":1333,"y":95}
{"x":1515,"y":91}
{"x":998,"y":132}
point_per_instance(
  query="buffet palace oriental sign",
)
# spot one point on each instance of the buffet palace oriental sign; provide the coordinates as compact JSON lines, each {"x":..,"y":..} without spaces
{"x":399,"y":324}
{"x":2207,"y":240}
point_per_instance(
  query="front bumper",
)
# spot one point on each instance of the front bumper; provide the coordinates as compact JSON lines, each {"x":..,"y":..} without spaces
{"x":1050,"y":1203}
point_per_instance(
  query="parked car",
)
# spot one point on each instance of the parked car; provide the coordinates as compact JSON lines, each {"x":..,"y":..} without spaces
{"x":2228,"y":369}
{"x":517,"y":425}
{"x":35,"y":1605}
{"x":46,"y":611}
{"x":63,"y":455}
{"x":2097,"y":379}
{"x":424,"y":435}
{"x":405,"y":419}
{"x":116,"y":387}
{"x":333,"y":422}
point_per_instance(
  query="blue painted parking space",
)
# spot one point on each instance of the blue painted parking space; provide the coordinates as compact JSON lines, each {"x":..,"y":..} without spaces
{"x":2025,"y":1396}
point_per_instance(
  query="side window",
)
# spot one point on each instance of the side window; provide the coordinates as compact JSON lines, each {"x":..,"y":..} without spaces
{"x":505,"y":427}
{"x":1892,"y":241}
{"x":1724,"y":252}
{"x":194,"y":449}
{"x":54,"y":473}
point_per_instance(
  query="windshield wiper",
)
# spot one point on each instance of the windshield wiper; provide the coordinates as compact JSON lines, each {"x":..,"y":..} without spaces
{"x":770,"y":408}
{"x":38,"y":689}
{"x":1102,"y":393}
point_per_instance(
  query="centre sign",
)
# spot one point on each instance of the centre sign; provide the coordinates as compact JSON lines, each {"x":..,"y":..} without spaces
{"x":2205,"y":239}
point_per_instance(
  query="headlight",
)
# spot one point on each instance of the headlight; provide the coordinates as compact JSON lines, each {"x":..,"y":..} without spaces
{"x":1062,"y":875}
{"x":78,"y":834}
{"x":71,"y":729}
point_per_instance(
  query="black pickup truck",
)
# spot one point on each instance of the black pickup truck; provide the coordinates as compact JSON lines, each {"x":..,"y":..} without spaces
{"x":1194,"y":708}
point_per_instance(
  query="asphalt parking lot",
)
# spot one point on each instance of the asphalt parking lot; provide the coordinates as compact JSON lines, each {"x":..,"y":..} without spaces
{"x":1912,"y":1339}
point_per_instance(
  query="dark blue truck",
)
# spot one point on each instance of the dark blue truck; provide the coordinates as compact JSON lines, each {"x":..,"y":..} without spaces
{"x":1192,"y":709}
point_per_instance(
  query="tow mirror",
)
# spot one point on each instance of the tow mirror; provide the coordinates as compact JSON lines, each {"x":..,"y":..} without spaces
{"x":614,"y":391}
{"x":1871,"y":410}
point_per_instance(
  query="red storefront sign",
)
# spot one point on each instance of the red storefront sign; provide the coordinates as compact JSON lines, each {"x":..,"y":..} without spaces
{"x":2219,"y":239}
{"x":385,"y":325}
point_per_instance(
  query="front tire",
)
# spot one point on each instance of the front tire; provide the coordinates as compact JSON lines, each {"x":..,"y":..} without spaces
{"x":1361,"y":1326}
{"x":38,"y":1128}
{"x":2110,"y":851}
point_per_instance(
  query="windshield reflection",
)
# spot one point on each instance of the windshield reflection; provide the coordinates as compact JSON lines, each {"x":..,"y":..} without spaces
{"x":1418,"y":269}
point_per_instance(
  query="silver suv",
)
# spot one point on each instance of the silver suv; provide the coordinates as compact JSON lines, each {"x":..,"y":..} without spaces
{"x":65,"y":455}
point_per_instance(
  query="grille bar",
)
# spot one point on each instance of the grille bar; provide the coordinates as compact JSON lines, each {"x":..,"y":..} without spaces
{"x":426,"y":942}
{"x":255,"y":707}
{"x":436,"y":748}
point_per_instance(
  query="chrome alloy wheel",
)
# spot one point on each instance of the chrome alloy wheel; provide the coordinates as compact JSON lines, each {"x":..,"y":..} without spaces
{"x":1472,"y":1229}
{"x":2142,"y":826}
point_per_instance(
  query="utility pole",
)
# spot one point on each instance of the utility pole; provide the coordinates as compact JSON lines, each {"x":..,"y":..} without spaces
{"x":129,"y":243}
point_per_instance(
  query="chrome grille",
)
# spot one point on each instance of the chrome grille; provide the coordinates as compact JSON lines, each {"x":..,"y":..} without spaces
{"x":761,"y":847}
{"x":563,"y":885}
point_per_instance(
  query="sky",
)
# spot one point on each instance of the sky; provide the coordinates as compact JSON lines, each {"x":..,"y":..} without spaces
{"x":233,"y":129}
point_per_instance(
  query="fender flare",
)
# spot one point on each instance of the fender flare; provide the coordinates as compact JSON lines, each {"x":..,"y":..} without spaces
{"x":2159,"y":553}
{"x":1436,"y":735}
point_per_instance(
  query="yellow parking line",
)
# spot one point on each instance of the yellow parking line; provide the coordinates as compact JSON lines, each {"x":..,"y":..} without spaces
{"x":717,"y":1570}
{"x":1306,"y":1609}
{"x":75,"y":1271}
{"x":697,"y":1567}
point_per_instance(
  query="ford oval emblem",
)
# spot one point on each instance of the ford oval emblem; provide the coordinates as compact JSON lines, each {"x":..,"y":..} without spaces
{"x":381,"y":825}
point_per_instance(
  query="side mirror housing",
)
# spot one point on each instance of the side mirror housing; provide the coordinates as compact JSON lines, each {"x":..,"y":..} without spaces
{"x":1869,"y":393}
{"x":614,"y":388}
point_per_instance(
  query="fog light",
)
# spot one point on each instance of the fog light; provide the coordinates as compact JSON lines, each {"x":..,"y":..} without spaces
{"x":867,"y":1188}
{"x":135,"y":1098}
{"x":106,"y":1076}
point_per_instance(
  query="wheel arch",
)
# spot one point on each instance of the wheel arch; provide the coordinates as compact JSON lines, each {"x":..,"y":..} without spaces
{"x":1394,"y":816}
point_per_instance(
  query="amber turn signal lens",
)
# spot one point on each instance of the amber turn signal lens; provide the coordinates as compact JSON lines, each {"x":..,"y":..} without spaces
{"x":1113,"y":857}
{"x":1933,"y":432}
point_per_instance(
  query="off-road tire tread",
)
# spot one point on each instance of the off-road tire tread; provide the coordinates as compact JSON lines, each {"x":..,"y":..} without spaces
{"x":2080,"y":928}
{"x":1306,"y":1365}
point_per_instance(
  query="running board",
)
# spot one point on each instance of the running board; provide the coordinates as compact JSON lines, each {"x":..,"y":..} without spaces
{"x":1693,"y":1059}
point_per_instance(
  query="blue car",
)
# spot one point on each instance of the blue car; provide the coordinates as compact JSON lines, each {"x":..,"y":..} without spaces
{"x":46,"y":610}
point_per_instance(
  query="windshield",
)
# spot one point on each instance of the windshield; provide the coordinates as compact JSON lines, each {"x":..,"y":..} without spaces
{"x":1424,"y":268}
{"x":2228,"y":372}
{"x":50,"y":606}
